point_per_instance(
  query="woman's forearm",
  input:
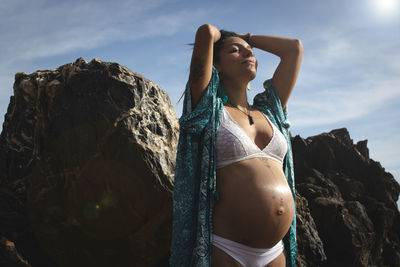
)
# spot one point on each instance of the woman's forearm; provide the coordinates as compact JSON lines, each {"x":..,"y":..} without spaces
{"x":280,"y":46}
{"x":202,"y":61}
{"x":290,"y":52}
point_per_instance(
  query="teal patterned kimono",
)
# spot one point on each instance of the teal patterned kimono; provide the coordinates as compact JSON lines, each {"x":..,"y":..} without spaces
{"x":195,"y":175}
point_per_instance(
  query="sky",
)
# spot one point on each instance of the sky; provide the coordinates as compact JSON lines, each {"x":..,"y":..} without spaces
{"x":349,"y":75}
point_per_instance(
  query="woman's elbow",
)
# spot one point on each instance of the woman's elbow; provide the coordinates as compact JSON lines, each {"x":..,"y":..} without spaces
{"x":297,"y":46}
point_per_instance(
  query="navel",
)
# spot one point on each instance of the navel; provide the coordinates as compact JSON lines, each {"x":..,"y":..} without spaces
{"x":281,"y":208}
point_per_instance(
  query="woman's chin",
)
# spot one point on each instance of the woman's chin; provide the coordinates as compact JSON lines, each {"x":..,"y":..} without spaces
{"x":251,"y":69}
{"x":252,"y":74}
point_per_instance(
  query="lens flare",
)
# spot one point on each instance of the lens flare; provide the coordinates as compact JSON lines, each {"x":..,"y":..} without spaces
{"x":92,"y":210}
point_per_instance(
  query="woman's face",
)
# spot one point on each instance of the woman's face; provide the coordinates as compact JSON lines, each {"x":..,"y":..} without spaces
{"x":236,"y":59}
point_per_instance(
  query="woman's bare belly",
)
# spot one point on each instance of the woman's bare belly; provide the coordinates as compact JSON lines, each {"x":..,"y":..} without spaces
{"x":256,"y":206}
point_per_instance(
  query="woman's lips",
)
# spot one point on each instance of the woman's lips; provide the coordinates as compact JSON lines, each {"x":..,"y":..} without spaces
{"x":249,"y":61}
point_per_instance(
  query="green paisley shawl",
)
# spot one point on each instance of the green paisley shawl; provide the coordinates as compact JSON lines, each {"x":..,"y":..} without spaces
{"x":195,"y":174}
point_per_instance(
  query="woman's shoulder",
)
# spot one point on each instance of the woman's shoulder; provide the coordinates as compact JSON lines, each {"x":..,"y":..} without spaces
{"x":210,"y":104}
{"x":213,"y":90}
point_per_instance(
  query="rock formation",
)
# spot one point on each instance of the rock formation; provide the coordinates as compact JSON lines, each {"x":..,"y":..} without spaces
{"x":351,"y":199}
{"x":87,"y":156}
{"x":87,"y":160}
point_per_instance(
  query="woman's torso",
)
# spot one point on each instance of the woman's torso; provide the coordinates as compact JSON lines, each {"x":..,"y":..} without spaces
{"x":256,"y":206}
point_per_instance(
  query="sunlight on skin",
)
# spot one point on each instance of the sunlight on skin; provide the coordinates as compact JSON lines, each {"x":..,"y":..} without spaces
{"x":282,"y":189}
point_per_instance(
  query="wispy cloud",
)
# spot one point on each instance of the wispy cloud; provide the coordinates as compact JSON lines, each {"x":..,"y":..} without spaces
{"x":345,"y":77}
{"x":38,"y":29}
{"x":343,"y":103}
{"x":41,"y":29}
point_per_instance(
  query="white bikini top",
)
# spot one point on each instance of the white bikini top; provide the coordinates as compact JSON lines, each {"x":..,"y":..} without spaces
{"x":234,"y":144}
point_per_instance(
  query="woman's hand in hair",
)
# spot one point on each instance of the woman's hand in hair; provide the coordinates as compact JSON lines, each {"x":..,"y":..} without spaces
{"x":245,"y":37}
{"x":212,"y":30}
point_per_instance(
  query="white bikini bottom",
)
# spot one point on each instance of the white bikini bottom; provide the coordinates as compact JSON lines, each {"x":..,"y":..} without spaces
{"x":248,"y":256}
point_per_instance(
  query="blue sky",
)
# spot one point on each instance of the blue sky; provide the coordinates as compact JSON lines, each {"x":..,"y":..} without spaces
{"x":349,"y":76}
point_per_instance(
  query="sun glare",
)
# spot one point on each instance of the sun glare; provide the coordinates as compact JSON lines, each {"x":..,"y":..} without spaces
{"x":386,"y":7}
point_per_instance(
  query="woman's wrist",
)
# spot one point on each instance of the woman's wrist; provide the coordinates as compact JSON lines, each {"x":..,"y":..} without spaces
{"x":217,"y":35}
{"x":209,"y":30}
{"x":247,"y":38}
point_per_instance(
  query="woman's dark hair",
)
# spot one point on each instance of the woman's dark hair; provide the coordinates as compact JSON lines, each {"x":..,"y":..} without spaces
{"x":219,"y":44}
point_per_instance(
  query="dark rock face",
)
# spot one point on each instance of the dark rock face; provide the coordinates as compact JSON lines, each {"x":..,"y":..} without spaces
{"x":351,"y":199}
{"x":87,"y":160}
{"x":311,"y":249}
{"x":87,"y":156}
{"x":9,"y":256}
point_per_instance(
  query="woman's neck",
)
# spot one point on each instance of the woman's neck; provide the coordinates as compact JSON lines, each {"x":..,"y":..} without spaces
{"x":236,"y":92}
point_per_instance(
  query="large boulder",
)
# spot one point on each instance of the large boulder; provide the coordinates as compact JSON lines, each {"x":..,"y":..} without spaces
{"x":94,"y":145}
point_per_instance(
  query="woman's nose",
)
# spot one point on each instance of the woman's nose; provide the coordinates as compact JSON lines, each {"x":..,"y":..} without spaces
{"x":248,"y":52}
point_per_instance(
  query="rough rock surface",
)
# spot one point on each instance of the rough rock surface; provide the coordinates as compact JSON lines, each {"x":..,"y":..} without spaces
{"x":351,"y":199}
{"x":310,"y":246}
{"x":86,"y":164}
{"x":87,"y":159}
{"x":9,"y":256}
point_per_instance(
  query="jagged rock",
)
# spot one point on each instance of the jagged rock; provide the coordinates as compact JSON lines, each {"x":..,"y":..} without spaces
{"x":94,"y":144}
{"x":351,"y":199}
{"x":362,"y":147}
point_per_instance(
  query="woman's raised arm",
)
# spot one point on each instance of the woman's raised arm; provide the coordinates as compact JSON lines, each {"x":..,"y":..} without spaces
{"x":290,"y":52}
{"x":202,"y":61}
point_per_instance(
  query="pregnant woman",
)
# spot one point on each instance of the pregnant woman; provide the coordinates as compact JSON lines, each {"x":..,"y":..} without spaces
{"x":234,"y":202}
